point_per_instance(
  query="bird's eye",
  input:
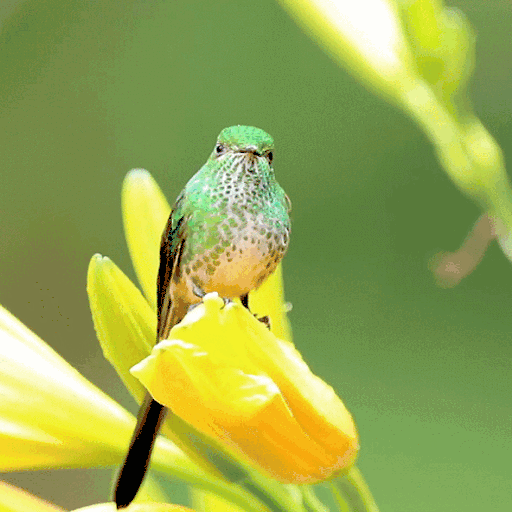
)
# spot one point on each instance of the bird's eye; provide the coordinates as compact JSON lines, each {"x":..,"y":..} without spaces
{"x":219,"y":149}
{"x":270,"y":156}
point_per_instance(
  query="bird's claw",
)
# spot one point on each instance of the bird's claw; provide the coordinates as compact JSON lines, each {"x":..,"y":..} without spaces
{"x":198,"y":292}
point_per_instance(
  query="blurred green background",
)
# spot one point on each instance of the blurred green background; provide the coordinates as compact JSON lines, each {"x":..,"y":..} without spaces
{"x":89,"y":90}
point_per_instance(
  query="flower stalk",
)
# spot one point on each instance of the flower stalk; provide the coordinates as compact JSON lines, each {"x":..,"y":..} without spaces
{"x":419,"y":55}
{"x":352,"y":493}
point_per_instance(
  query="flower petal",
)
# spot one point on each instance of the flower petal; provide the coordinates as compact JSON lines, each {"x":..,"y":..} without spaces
{"x":268,"y":300}
{"x":145,"y":213}
{"x":222,"y":371}
{"x":124,"y":322}
{"x":365,"y":36}
{"x":51,"y":415}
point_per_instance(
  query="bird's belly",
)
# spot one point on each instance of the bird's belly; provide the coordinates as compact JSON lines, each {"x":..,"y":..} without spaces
{"x":235,"y":269}
{"x":234,"y":274}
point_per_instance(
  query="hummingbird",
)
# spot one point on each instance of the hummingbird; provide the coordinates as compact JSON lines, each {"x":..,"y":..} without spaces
{"x":227,"y":231}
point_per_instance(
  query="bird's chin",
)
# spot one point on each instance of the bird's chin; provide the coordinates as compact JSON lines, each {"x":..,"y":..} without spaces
{"x":249,"y":158}
{"x":254,"y":163}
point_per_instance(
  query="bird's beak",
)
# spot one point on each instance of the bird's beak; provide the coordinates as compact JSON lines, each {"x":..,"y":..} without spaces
{"x":252,"y":150}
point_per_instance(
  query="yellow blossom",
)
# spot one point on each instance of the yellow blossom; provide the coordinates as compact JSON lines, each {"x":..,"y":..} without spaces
{"x":228,"y":376}
{"x":52,"y":417}
{"x":145,"y":212}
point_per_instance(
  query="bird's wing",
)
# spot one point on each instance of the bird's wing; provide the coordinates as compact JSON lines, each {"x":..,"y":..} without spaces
{"x":171,"y":249}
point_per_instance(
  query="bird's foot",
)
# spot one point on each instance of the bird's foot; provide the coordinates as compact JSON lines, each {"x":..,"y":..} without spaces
{"x":198,"y":292}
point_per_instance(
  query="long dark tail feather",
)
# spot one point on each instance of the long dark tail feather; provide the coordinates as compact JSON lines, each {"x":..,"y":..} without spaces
{"x":135,"y":465}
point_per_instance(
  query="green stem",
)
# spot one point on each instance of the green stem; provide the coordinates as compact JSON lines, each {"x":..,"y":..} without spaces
{"x":352,"y":493}
{"x":231,"y":492}
{"x":274,"y":494}
{"x":467,"y":151}
{"x":311,"y":501}
{"x":339,"y":498}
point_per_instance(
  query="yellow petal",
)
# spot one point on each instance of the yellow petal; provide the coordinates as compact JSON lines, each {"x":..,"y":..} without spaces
{"x":268,"y":300}
{"x":366,"y":36}
{"x":126,"y":326}
{"x":14,"y":499}
{"x":125,"y":323}
{"x":52,"y":417}
{"x":145,"y":213}
{"x":222,"y":371}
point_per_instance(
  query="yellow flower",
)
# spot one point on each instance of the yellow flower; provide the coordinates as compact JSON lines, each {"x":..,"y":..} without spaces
{"x":227,"y":375}
{"x":221,"y":371}
{"x":51,"y":417}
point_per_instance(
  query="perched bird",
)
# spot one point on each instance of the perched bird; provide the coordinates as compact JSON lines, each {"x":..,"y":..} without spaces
{"x":226,"y":233}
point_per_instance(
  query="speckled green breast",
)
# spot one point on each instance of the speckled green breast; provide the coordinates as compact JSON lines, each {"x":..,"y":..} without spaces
{"x":237,"y":230}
